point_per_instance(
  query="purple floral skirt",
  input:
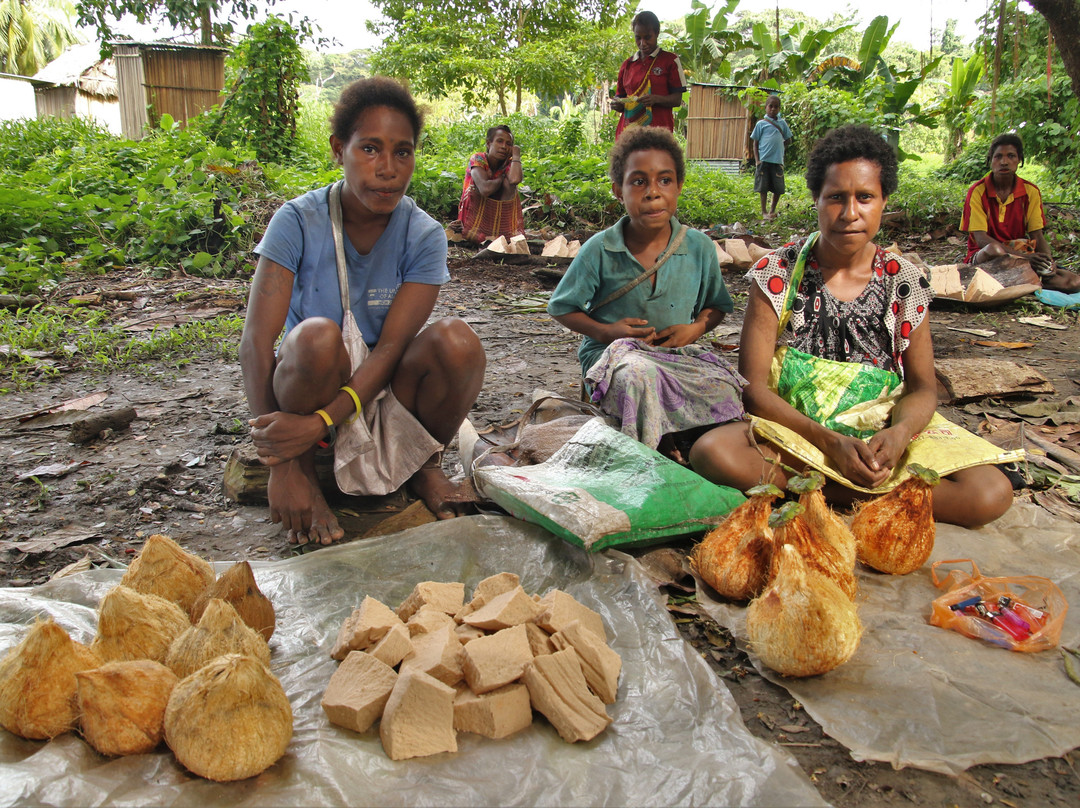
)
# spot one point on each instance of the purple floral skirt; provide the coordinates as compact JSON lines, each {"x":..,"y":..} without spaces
{"x":652,"y":391}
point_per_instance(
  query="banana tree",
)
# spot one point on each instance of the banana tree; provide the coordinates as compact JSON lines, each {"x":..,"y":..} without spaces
{"x":953,"y":107}
{"x":707,"y":42}
{"x":793,"y":58}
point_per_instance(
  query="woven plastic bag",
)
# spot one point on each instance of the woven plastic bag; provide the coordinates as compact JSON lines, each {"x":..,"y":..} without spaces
{"x":1009,"y":603}
{"x":604,"y":489}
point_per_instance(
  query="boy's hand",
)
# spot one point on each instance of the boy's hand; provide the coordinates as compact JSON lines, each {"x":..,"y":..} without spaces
{"x":515,"y":152}
{"x":628,"y":327}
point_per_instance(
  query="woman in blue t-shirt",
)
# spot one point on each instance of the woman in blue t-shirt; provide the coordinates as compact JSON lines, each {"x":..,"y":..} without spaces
{"x":351,"y":273}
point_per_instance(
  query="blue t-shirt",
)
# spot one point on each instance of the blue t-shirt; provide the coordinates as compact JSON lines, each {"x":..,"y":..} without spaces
{"x":688,"y":282}
{"x":412,"y":249}
{"x":771,"y":141}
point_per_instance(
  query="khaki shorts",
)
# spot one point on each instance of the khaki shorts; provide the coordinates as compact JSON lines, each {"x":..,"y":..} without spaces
{"x":377,"y":453}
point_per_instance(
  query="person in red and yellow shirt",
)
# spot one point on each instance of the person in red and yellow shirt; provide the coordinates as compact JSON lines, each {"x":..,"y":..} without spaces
{"x":1003,"y":215}
{"x":651,"y":82}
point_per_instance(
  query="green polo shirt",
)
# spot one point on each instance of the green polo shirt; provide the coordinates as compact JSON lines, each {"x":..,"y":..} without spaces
{"x":688,"y":282}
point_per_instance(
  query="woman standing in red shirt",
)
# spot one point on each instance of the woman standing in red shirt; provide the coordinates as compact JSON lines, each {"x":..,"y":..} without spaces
{"x":651,"y":82}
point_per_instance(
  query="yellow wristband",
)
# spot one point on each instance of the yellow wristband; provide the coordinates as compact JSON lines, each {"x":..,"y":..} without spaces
{"x":356,"y":400}
{"x":332,"y":438}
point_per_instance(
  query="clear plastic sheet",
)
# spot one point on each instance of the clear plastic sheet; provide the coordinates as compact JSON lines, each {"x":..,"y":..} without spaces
{"x":677,"y":737}
{"x":919,"y":695}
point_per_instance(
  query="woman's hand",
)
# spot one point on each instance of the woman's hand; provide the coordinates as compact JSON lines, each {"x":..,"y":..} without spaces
{"x":515,"y":152}
{"x":678,"y":336}
{"x":648,"y":100}
{"x":618,"y":104}
{"x":856,"y":460}
{"x":889,"y":446}
{"x":283,"y":436}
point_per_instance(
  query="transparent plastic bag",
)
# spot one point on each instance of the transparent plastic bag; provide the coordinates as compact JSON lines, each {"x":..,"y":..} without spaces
{"x":1021,"y":613}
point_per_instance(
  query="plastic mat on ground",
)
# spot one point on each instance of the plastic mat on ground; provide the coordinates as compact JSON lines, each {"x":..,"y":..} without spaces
{"x":677,"y":737}
{"x":919,"y":695}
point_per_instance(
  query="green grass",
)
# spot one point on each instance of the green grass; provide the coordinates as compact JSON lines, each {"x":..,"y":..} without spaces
{"x":81,"y":338}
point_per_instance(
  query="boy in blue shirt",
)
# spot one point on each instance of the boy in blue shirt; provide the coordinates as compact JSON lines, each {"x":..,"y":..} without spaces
{"x":771,"y":134}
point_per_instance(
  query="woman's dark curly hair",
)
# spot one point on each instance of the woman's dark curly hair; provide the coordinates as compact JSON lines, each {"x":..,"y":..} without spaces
{"x":377,"y":91}
{"x":643,"y":138}
{"x":502,"y":127}
{"x":1007,"y":139}
{"x":852,"y":142}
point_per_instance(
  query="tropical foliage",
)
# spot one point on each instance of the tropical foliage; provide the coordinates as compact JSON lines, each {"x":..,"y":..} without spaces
{"x":33,"y":33}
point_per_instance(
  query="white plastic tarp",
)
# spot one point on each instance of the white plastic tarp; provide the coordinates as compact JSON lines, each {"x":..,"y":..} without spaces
{"x":919,"y":695}
{"x":677,"y":736}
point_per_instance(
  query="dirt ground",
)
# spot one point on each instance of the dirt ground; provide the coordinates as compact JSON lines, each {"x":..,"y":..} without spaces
{"x":163,"y":474}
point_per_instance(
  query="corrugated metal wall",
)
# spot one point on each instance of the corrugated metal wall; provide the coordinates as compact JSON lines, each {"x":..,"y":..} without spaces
{"x":717,"y":124}
{"x":157,"y":79}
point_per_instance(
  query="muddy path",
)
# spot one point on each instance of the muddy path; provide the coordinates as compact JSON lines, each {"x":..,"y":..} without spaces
{"x":63,"y":503}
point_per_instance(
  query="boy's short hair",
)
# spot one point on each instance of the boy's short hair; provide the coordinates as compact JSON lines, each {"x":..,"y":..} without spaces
{"x":377,"y":91}
{"x":643,"y":138}
{"x":648,"y":19}
{"x":851,"y":142}
{"x":1006,"y":139}
{"x":502,"y":127}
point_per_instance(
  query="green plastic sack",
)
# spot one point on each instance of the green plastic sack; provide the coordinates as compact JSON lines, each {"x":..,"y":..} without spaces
{"x":604,"y":489}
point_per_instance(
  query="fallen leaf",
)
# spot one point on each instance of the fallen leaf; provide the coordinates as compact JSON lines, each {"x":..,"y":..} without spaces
{"x":81,"y":403}
{"x":794,"y":729}
{"x":1043,"y":321}
{"x":53,"y":541}
{"x":1009,"y":346}
{"x":978,"y":332}
{"x":52,"y":470}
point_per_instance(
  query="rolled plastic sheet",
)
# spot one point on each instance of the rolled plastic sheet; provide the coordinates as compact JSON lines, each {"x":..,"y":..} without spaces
{"x":676,"y":739}
{"x":919,"y":695}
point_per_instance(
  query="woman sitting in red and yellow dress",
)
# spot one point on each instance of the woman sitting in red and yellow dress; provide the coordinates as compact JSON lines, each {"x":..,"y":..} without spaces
{"x":490,"y":206}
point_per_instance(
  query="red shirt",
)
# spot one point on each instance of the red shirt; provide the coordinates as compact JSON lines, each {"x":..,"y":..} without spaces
{"x":665,"y":76}
{"x":1017,"y":217}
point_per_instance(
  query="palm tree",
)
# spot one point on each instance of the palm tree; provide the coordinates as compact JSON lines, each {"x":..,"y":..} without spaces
{"x":33,"y":33}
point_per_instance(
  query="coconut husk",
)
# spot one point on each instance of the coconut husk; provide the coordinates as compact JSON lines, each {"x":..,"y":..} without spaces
{"x":802,"y":624}
{"x":132,"y":625}
{"x":229,"y":720}
{"x":220,"y":631}
{"x":122,"y":706}
{"x":237,"y":587}
{"x":894,"y":533}
{"x":162,"y":568}
{"x":37,"y":682}
{"x":734,"y":557}
{"x":825,"y":549}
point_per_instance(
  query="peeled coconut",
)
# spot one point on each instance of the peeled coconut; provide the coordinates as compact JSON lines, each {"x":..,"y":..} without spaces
{"x":229,"y":720}
{"x":220,"y":631}
{"x":122,"y":705}
{"x":821,"y":536}
{"x":734,"y":557}
{"x":37,"y":682}
{"x":802,"y":624}
{"x":162,"y":568}
{"x":894,"y":533}
{"x":132,"y":625}
{"x":237,"y":586}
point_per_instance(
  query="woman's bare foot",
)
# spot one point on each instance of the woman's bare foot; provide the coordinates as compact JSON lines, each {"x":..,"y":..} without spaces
{"x":1061,"y":280}
{"x":324,"y":525}
{"x":443,"y":498}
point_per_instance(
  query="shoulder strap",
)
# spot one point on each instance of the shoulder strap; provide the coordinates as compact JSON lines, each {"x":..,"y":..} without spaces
{"x":645,"y":81}
{"x":339,"y":244}
{"x":794,"y":281}
{"x":775,"y":125}
{"x":648,"y":273}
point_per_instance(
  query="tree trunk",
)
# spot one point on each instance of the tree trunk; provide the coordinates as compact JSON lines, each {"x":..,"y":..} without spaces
{"x":1063,"y":17}
{"x":206,"y":26}
{"x":997,"y":65}
{"x":517,"y":104}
